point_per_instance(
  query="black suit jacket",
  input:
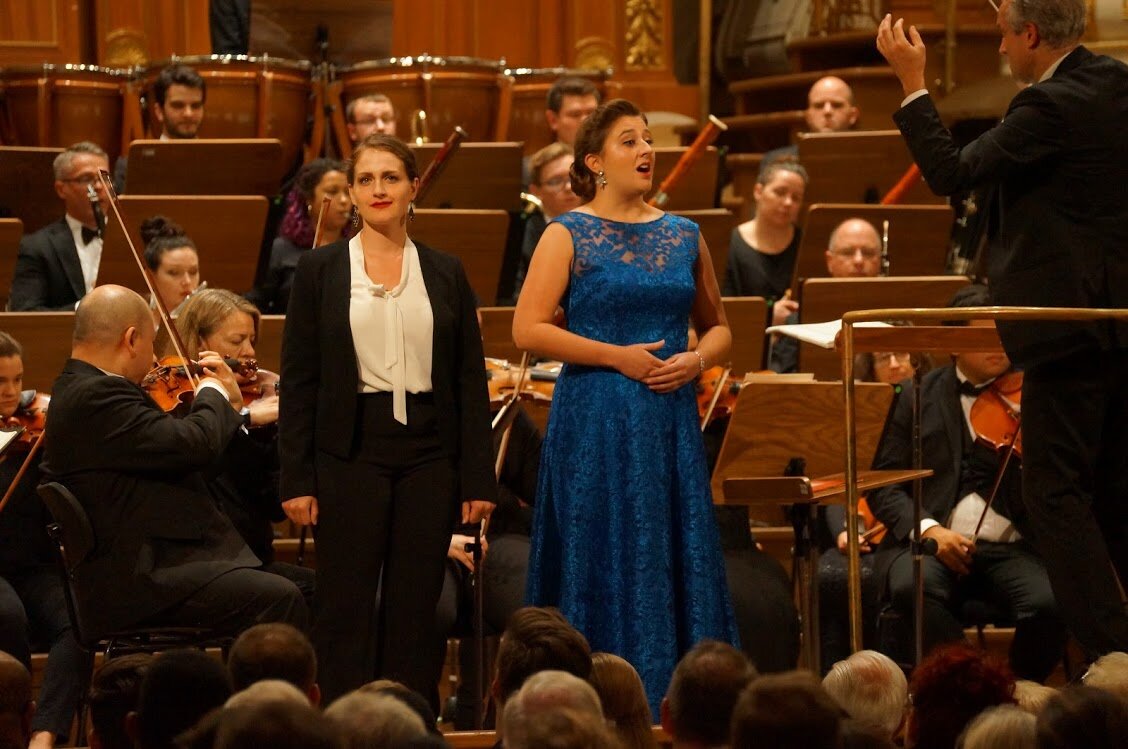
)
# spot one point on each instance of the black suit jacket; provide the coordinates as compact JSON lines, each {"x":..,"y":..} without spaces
{"x":136,"y":471}
{"x":319,"y":368}
{"x":1060,"y":160}
{"x":48,"y":273}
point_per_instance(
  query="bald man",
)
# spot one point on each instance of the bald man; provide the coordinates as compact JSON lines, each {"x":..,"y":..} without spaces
{"x":16,"y":707}
{"x":830,"y":109}
{"x":164,"y":554}
{"x":854,"y":250}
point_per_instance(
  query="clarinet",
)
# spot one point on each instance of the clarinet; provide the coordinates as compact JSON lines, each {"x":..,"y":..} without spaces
{"x":96,"y":206}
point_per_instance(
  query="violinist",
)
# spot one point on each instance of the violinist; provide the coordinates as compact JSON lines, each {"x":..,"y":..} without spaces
{"x":973,"y":558}
{"x":173,"y":259}
{"x":33,"y":610}
{"x":245,"y":484}
{"x":164,"y":554}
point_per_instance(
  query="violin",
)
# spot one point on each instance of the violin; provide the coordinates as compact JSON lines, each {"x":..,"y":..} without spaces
{"x":994,"y":415}
{"x":707,"y":384}
{"x":30,"y":417}
{"x":501,"y":377}
{"x":173,"y":385}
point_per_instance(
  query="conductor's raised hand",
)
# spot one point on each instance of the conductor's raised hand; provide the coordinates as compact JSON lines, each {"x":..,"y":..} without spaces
{"x":904,"y":53}
{"x":301,"y":510}
{"x":637,"y":362}
{"x":679,"y":369}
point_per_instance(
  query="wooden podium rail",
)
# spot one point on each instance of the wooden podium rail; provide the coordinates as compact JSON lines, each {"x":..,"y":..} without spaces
{"x":923,"y":339}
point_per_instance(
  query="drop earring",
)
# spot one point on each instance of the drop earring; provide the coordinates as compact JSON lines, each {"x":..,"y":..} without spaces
{"x":601,"y":179}
{"x":355,"y":218}
{"x":411,"y":211}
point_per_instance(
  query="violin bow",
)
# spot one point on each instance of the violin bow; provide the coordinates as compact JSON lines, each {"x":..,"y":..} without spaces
{"x":716,"y":397}
{"x":31,"y":453}
{"x":1007,"y":455}
{"x":320,"y":219}
{"x":162,"y":309}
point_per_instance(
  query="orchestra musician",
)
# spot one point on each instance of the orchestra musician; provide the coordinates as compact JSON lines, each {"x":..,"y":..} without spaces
{"x":384,"y":427}
{"x":1058,"y":159}
{"x":315,"y":181}
{"x":569,"y":102}
{"x":163,"y":554}
{"x":830,"y":109}
{"x":371,"y":114}
{"x":173,"y":259}
{"x":974,"y":558}
{"x":33,"y":610}
{"x":550,"y":183}
{"x":245,"y":483}
{"x":58,"y":264}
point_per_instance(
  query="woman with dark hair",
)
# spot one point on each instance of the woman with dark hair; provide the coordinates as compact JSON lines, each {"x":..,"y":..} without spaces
{"x":624,"y":540}
{"x":384,"y":428}
{"x":317,"y":180}
{"x":173,"y":260}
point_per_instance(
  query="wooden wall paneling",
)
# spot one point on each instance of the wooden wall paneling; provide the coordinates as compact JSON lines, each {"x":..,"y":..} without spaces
{"x":136,"y":32}
{"x":32,"y":33}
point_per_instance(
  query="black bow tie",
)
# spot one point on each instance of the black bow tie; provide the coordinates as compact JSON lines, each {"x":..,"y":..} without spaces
{"x":967,"y":388}
{"x":88,"y":235}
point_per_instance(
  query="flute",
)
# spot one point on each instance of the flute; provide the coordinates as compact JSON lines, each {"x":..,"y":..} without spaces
{"x":713,"y":128}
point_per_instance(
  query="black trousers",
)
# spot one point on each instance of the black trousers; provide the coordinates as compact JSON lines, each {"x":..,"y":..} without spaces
{"x":1075,"y":488}
{"x":385,"y":515}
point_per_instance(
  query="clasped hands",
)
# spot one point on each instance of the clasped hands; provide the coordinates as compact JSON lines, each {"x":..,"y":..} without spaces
{"x":662,"y":376}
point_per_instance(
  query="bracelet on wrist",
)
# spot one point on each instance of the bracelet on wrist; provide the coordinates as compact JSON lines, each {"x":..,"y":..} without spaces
{"x":700,"y":362}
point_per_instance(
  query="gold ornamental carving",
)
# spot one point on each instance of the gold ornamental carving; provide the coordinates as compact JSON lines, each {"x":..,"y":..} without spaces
{"x":644,"y":42}
{"x":125,"y":48}
{"x":594,"y":53}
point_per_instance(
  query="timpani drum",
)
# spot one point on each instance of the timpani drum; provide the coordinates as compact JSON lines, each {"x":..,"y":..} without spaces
{"x":55,"y":106}
{"x":466,"y":91}
{"x":247,"y":97}
{"x":530,"y":92}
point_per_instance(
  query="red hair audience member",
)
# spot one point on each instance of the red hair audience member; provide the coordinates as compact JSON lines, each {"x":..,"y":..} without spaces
{"x":951,"y":686}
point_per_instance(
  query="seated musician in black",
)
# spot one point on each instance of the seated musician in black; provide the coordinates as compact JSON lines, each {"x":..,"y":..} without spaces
{"x":33,"y":610}
{"x":550,"y":182}
{"x":999,"y":564}
{"x":164,"y":554}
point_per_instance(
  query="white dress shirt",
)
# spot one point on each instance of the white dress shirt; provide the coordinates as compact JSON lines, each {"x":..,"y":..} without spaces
{"x":89,"y":255}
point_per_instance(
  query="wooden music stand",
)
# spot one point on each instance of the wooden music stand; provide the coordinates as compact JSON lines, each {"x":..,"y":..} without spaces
{"x":236,"y":166}
{"x":825,"y":299}
{"x":11,"y":229}
{"x":716,"y":225}
{"x":46,"y":341}
{"x":478,"y":176}
{"x":27,"y":191}
{"x":698,"y":188}
{"x":858,"y":167}
{"x":227,"y":232}
{"x":772,"y":425}
{"x":918,"y":237}
{"x":477,"y":237}
{"x":497,"y":334}
{"x":747,"y":316}
{"x":268,"y":347}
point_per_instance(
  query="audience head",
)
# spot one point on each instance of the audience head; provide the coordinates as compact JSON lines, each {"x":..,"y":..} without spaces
{"x":977,"y":367}
{"x":11,"y":374}
{"x":1001,"y":727}
{"x":317,"y":180}
{"x":854,"y":735}
{"x":374,"y":721}
{"x":537,"y":639}
{"x":1034,"y":32}
{"x":274,"y":725}
{"x":1083,"y":716}
{"x":172,"y":257}
{"x":786,"y":710}
{"x":114,"y":331}
{"x":623,"y":698}
{"x":610,"y":141}
{"x":1032,"y":696}
{"x":549,"y":697}
{"x":407,"y":696}
{"x":77,"y":168}
{"x":830,"y":106}
{"x":550,"y":179}
{"x":274,"y":651}
{"x":570,"y":101}
{"x":871,"y":688}
{"x":702,"y":693}
{"x":373,"y":114}
{"x":180,"y":687}
{"x":267,"y":691}
{"x":854,"y":250}
{"x":178,"y":101}
{"x":778,"y":193}
{"x":221,"y":321}
{"x":113,"y":695}
{"x":952,"y":685}
{"x":16,"y":706}
{"x":1110,"y":673}
{"x":383,"y":179}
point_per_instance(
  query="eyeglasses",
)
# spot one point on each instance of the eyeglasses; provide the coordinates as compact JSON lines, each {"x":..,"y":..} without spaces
{"x":556,"y":183}
{"x":82,"y":179}
{"x":866,"y":252}
{"x":900,"y":357}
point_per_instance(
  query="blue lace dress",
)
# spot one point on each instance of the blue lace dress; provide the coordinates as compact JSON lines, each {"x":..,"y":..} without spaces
{"x":624,"y":540}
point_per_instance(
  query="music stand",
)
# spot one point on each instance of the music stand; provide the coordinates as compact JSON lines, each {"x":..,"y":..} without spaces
{"x":11,"y":229}
{"x":698,"y":188}
{"x":858,"y":167}
{"x":747,"y":316}
{"x":804,"y":429}
{"x":27,"y":191}
{"x":476,"y":237}
{"x":268,"y":347}
{"x":478,"y":175}
{"x":918,"y":237}
{"x":46,"y":341}
{"x":227,"y":232}
{"x":230,"y":166}
{"x":716,"y":225}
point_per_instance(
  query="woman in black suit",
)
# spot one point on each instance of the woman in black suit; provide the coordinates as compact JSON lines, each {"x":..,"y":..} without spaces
{"x":384,"y":427}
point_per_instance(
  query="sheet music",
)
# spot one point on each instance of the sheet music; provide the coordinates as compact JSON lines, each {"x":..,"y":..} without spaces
{"x":821,"y":334}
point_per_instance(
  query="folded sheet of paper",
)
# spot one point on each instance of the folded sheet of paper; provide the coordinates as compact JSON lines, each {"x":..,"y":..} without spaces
{"x":820,"y":334}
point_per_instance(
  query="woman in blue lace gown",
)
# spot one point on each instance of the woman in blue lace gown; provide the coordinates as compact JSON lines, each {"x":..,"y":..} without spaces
{"x":624,"y":538}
